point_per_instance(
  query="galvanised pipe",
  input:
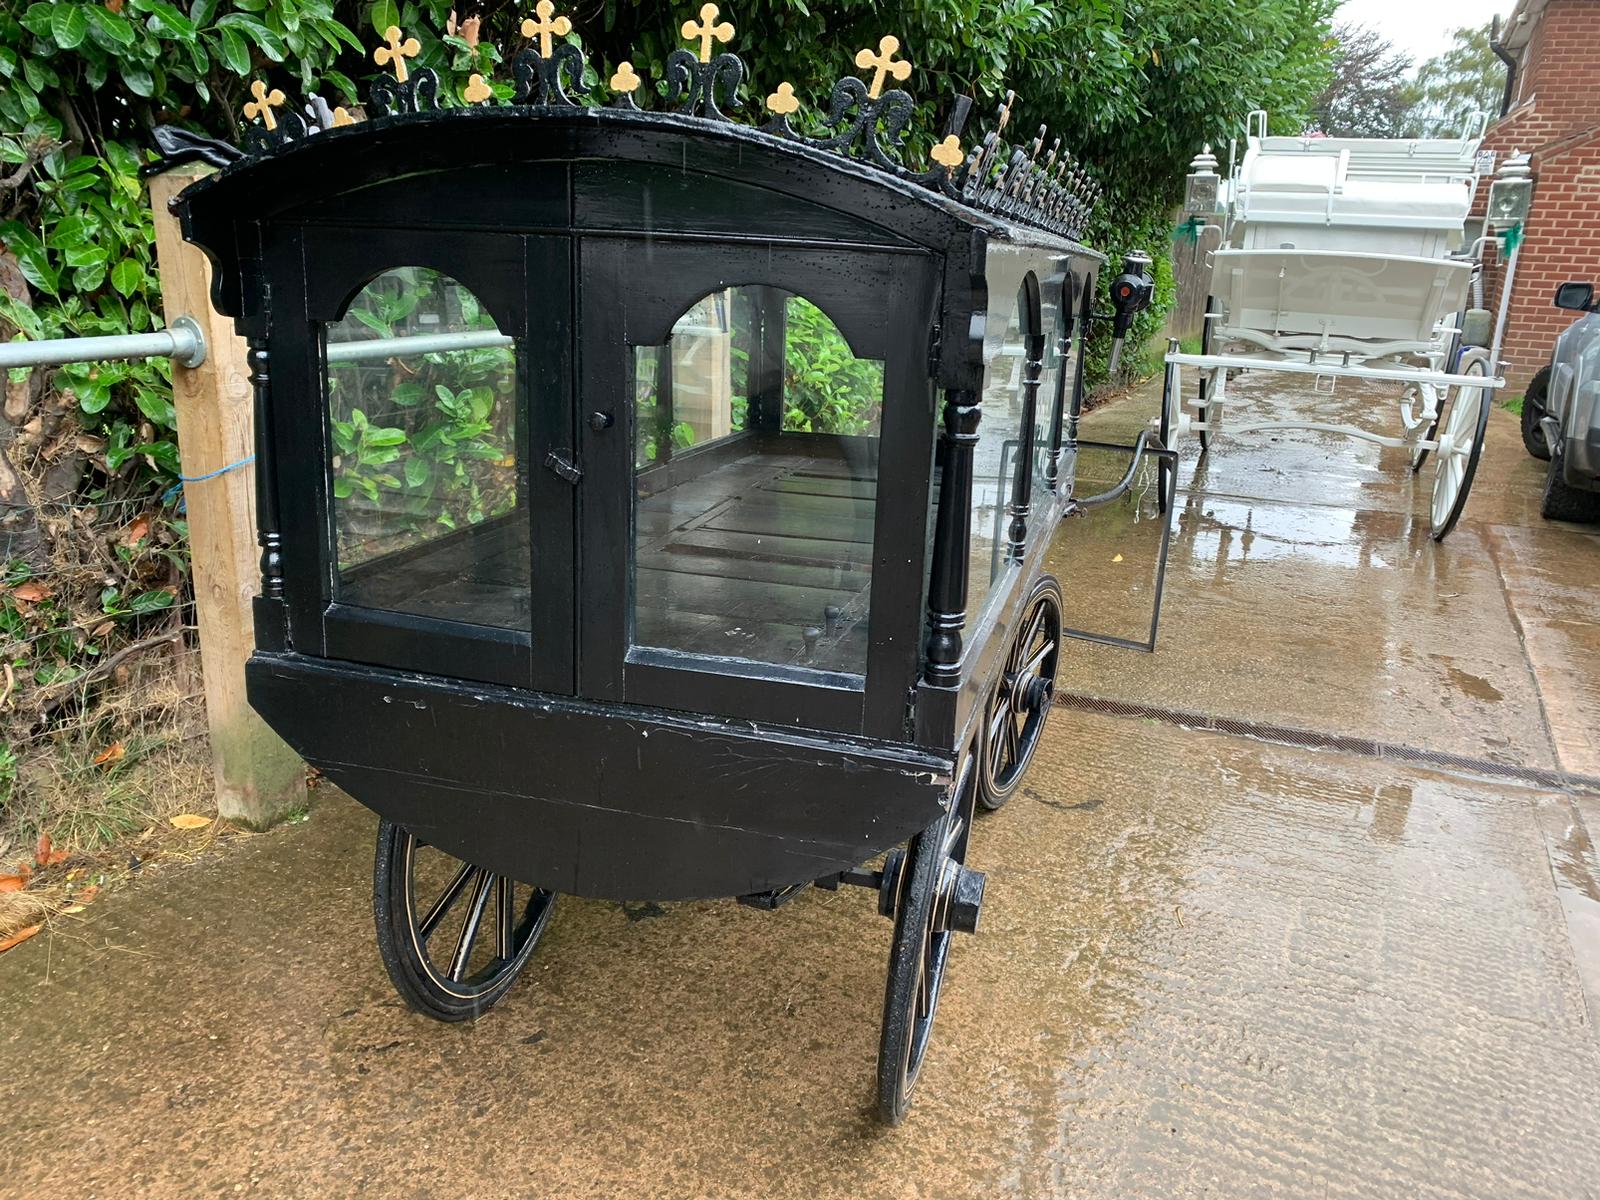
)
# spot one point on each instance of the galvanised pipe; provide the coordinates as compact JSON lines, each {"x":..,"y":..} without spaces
{"x":182,"y":342}
{"x":425,"y":343}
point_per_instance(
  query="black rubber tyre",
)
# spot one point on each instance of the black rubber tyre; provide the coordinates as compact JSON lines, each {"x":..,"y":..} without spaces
{"x":1563,"y":502}
{"x":475,"y":975}
{"x":1533,"y":411}
{"x":921,"y":945}
{"x":1019,"y":705}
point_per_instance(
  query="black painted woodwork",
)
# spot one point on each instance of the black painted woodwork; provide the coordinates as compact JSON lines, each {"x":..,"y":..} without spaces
{"x":517,"y":724}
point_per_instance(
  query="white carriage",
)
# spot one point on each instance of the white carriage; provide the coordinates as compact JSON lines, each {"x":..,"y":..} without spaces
{"x":1344,"y":258}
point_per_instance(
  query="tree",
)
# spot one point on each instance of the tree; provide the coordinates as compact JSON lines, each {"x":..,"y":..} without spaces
{"x":1451,"y":87}
{"x":1369,"y":95}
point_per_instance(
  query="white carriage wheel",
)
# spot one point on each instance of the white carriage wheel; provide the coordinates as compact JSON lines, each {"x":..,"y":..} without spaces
{"x":1460,"y":447}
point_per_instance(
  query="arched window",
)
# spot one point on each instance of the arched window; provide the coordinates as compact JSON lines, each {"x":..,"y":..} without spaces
{"x":756,"y":452}
{"x":422,"y":435}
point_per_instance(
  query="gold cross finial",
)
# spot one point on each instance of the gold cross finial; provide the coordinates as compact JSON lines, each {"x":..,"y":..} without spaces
{"x":397,"y":52}
{"x":707,"y":29}
{"x":263,"y":104}
{"x":884,"y":63}
{"x":478,"y":90}
{"x":948,"y":153}
{"x":547,"y":28}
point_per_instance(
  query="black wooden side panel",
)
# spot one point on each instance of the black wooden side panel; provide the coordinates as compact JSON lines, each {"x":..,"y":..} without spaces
{"x":600,"y":801}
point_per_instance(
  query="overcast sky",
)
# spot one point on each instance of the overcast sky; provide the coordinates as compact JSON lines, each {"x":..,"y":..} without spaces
{"x":1421,"y":28}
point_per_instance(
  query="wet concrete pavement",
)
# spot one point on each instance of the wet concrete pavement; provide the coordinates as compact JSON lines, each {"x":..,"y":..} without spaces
{"x":1212,"y":963}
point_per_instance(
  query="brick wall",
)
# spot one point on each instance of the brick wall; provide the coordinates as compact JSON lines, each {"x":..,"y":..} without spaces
{"x":1556,"y":118}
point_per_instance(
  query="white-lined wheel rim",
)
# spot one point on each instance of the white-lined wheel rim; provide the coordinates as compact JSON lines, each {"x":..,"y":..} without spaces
{"x":1456,"y":443}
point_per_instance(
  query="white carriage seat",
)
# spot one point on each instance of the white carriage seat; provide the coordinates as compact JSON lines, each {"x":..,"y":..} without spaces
{"x":1370,"y":304}
{"x":1316,"y":201}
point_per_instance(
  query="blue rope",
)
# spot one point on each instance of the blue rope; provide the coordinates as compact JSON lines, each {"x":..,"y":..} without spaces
{"x":183,"y":479}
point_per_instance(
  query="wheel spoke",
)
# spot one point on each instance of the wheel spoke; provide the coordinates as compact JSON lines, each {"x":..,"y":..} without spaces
{"x":1034,"y":625}
{"x":469,"y":927}
{"x":1031,"y":667}
{"x":1002,"y":714}
{"x":1013,"y":742}
{"x":443,"y":904}
{"x":505,"y":921}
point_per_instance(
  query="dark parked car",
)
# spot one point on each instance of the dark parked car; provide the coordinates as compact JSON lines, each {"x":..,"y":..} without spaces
{"x":1561,"y":413}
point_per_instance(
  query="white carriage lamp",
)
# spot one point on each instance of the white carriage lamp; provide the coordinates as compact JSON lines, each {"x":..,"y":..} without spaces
{"x":1511,"y":196}
{"x":1204,"y":188}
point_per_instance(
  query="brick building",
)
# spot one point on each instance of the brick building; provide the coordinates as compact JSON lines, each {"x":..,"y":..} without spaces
{"x":1555,"y":117}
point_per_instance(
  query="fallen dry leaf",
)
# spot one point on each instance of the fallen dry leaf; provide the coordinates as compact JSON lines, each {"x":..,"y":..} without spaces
{"x":73,"y":874}
{"x":19,"y":937}
{"x":31,"y":593}
{"x":87,"y":895}
{"x":12,"y":883}
{"x":110,"y":754}
{"x":1118,"y":558}
{"x":190,"y":821}
{"x":41,"y":852}
{"x":70,"y":909}
{"x":136,"y":532}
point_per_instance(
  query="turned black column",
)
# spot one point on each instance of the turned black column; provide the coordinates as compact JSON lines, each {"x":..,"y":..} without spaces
{"x":947,"y":584}
{"x":267,"y":531}
{"x":1058,"y":411}
{"x":1022,"y":485}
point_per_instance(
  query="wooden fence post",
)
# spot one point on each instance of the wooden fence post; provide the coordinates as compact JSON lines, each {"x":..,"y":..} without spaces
{"x":259,"y":779}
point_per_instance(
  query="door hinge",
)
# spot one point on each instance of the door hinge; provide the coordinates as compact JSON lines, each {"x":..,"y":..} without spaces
{"x":561,"y":463}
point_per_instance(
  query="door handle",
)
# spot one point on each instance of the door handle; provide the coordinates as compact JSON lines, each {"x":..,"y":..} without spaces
{"x":601,"y":421}
{"x":560,"y":462}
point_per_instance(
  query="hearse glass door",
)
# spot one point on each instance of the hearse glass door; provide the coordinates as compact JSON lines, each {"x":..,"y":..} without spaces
{"x":742,"y":406}
{"x":447,"y":548}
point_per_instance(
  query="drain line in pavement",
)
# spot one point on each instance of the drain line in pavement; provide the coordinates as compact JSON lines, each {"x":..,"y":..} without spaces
{"x":1312,"y":739}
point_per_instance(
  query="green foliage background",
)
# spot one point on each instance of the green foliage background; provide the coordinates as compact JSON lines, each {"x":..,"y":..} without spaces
{"x":1135,"y":86}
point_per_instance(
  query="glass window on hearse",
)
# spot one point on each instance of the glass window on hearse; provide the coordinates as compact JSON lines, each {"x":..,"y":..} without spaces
{"x":1056,"y":296}
{"x":1001,"y":440}
{"x":423,"y":445}
{"x":756,"y":433}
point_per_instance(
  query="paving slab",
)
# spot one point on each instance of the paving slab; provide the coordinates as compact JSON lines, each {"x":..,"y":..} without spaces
{"x":1259,"y":962}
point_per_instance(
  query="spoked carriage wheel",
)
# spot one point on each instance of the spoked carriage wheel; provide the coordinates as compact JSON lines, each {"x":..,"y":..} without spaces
{"x":1460,"y":448}
{"x":933,"y":894}
{"x":1420,"y":455}
{"x":1210,"y":414}
{"x":1169,"y":403}
{"x":1020,"y":705}
{"x":453,"y":936}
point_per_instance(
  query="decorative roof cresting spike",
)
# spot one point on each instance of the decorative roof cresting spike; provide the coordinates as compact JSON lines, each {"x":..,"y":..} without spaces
{"x":396,"y":52}
{"x":884,"y":63}
{"x":547,"y":28}
{"x":478,"y":90}
{"x":263,"y":104}
{"x":707,"y":30}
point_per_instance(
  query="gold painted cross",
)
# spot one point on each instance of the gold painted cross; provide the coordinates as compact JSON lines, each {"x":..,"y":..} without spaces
{"x":263,"y":104}
{"x":546,"y":28}
{"x":397,"y":52}
{"x":707,"y":29}
{"x":884,"y":63}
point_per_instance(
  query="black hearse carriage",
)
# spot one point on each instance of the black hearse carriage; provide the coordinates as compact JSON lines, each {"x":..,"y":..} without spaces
{"x":629,"y":527}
